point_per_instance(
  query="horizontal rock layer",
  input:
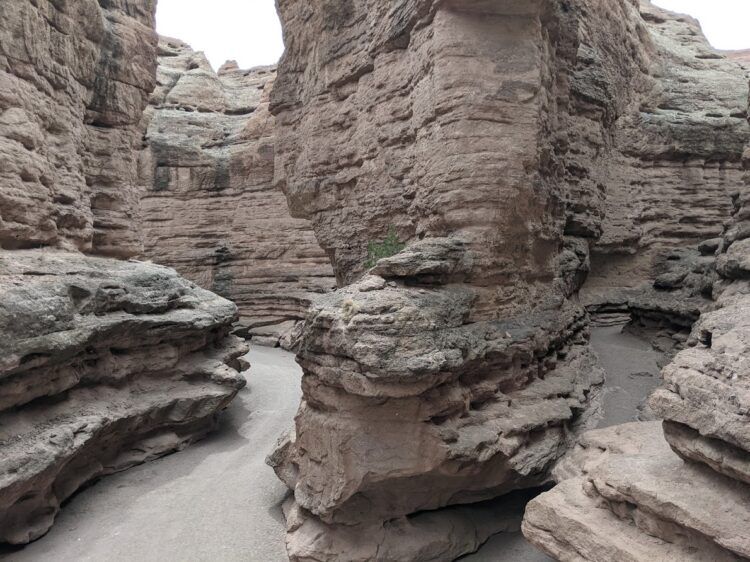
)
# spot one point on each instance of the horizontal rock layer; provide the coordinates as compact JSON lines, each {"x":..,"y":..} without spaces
{"x":210,"y":208}
{"x":407,"y":409}
{"x":627,"y":497}
{"x":70,"y":109}
{"x":105,"y":364}
{"x":678,"y":151}
{"x":470,"y":139}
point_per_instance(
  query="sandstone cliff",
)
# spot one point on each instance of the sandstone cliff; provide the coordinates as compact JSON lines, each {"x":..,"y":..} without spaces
{"x":670,"y":182}
{"x":70,"y":124}
{"x":105,"y":363}
{"x":210,"y":207}
{"x":458,"y":369}
{"x":678,"y":489}
{"x":514,"y":148}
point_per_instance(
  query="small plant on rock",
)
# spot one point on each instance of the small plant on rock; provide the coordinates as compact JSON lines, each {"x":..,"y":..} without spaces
{"x":385,"y":249}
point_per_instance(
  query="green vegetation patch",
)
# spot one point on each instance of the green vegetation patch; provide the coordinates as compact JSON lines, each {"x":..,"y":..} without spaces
{"x":385,"y":249}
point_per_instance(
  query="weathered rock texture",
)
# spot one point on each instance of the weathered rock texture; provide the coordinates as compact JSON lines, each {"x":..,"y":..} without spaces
{"x":677,"y":490}
{"x":626,"y":496}
{"x":210,"y":208}
{"x":74,"y":78}
{"x":458,"y":369}
{"x":670,"y":181}
{"x":104,"y":363}
{"x":514,"y":147}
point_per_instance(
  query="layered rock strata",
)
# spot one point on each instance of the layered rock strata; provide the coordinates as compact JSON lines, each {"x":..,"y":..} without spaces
{"x":679,"y":489}
{"x":627,"y":496}
{"x":458,"y":369}
{"x":671,"y":181}
{"x":210,"y":208}
{"x":105,"y":363}
{"x":71,"y":106}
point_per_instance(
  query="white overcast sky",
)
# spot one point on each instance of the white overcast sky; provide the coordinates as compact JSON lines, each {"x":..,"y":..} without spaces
{"x":249,"y":30}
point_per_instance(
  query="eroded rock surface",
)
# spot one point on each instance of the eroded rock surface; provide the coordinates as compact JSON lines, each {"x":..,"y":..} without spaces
{"x":70,"y":109}
{"x":458,"y":369}
{"x":514,"y":148}
{"x":678,"y":490}
{"x":105,"y":363}
{"x":629,"y":497}
{"x":210,"y":208}
{"x":671,"y":182}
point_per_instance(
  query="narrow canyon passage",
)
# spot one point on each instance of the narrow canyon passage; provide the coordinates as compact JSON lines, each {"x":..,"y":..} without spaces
{"x":218,"y":500}
{"x":632,"y":370}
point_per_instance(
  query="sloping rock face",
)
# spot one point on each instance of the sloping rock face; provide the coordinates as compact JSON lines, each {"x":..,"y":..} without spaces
{"x":671,"y":181}
{"x":458,"y":369}
{"x":629,"y":497}
{"x":678,"y":490}
{"x":105,"y":363}
{"x":210,"y":208}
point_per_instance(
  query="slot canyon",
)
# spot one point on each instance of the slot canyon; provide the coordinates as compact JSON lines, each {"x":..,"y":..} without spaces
{"x":455,"y":279}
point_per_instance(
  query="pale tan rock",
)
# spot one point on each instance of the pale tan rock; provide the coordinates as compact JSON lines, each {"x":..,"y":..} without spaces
{"x":437,"y":535}
{"x":210,"y":209}
{"x":707,"y":390}
{"x":632,"y":498}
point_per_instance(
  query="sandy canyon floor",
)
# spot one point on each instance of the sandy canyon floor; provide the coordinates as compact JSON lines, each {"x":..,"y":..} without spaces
{"x":218,"y":500}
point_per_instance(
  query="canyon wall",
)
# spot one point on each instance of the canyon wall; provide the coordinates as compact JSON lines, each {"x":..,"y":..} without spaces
{"x":71,"y":110}
{"x":210,"y":208}
{"x":670,"y":183}
{"x":677,"y":489}
{"x":105,"y":363}
{"x":517,"y":151}
{"x":458,"y":369}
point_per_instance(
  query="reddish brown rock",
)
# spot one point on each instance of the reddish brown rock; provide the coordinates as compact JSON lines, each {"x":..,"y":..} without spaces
{"x":210,"y":208}
{"x":105,"y":363}
{"x":69,"y":121}
{"x":457,"y":370}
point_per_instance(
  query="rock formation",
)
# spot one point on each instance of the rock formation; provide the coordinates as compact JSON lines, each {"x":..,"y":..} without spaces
{"x":210,"y":208}
{"x":628,"y":497}
{"x":458,"y":369}
{"x":105,"y":363}
{"x":670,"y":182}
{"x":677,"y":490}
{"x":513,"y":148}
